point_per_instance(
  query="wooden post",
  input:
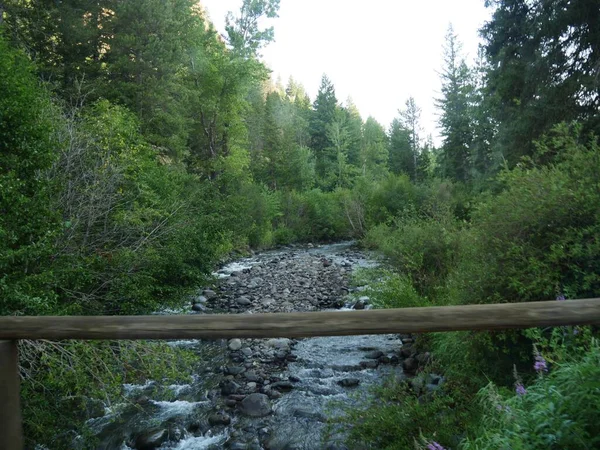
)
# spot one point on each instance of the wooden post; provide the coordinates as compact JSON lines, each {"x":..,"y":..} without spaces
{"x":11,"y":433}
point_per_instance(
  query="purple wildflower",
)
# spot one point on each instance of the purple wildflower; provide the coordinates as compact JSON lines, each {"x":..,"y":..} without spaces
{"x":540,"y":364}
{"x":434,"y":446}
{"x":560,"y":297}
{"x":520,"y":389}
{"x":575,"y":332}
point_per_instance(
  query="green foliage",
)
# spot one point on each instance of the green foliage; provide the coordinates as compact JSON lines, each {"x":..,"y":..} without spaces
{"x":66,"y":383}
{"x":542,"y":70}
{"x":560,"y":410}
{"x":456,"y":121}
{"x":27,"y":220}
{"x":397,"y":416}
{"x":424,"y":249}
{"x":535,"y":240}
{"x":388,"y":289}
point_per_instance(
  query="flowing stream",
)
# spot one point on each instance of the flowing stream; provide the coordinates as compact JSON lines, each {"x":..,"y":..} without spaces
{"x":272,"y":394}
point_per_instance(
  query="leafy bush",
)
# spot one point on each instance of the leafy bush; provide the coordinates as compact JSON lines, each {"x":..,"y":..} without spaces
{"x":424,"y":249}
{"x":27,"y":219}
{"x":396,"y":417}
{"x":537,"y":239}
{"x":387,"y":289}
{"x":560,"y":410}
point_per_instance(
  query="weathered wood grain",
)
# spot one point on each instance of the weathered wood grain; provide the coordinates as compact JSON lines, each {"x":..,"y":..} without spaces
{"x":330,"y":323}
{"x":11,"y":436}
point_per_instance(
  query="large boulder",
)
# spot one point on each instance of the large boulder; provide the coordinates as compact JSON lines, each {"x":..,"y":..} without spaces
{"x":256,"y":405}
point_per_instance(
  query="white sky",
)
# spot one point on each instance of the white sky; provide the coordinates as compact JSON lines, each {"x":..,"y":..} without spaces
{"x":378,"y":52}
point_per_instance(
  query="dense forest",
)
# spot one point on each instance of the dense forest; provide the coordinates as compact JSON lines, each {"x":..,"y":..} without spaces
{"x":139,"y":147}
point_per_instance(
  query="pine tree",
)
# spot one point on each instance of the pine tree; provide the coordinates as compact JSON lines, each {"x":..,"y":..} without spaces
{"x":374,"y":154}
{"x":324,"y":114}
{"x":543,"y":69}
{"x":455,"y":120}
{"x":410,"y":118}
{"x":355,"y":131}
{"x":401,"y":158}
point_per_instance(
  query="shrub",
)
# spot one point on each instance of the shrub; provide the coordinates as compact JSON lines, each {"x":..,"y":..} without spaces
{"x":27,"y":220}
{"x":537,"y":238}
{"x":560,"y":410}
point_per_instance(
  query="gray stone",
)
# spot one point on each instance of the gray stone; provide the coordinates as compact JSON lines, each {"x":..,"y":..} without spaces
{"x":247,"y":351}
{"x":371,"y":364}
{"x":256,"y":405}
{"x":219,"y":419}
{"x":209,"y":293}
{"x":279,"y":343}
{"x":229,"y":387}
{"x":273,"y":394}
{"x":407,"y":351}
{"x":243,"y":301}
{"x":234,"y":370}
{"x":283,"y":386}
{"x":359,"y":305}
{"x":151,"y":439}
{"x":410,"y":365}
{"x":349,"y":382}
{"x":375,"y":354}
{"x":235,"y":344}
{"x":198,"y":307}
{"x":200,"y":299}
{"x":252,"y":376}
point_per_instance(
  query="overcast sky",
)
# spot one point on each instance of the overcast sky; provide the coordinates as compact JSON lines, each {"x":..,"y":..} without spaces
{"x":379,"y":52}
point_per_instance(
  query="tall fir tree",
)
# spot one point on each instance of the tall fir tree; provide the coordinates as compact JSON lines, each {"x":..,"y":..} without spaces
{"x":455,"y":120}
{"x":324,"y":114}
{"x":401,"y":158}
{"x":543,"y":69}
{"x":410,"y":117}
{"x":375,"y":153}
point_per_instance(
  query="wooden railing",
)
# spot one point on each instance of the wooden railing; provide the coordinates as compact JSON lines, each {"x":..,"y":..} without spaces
{"x":331,"y":323}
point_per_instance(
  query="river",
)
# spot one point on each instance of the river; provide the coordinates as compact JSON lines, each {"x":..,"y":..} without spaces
{"x":271,"y":394}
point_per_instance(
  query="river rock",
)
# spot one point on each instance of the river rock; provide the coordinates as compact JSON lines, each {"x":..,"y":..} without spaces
{"x":201,"y":299}
{"x":229,"y":387}
{"x":359,"y":305}
{"x":282,"y":386}
{"x":235,"y":344}
{"x":209,"y":293}
{"x":280,"y":343}
{"x":151,"y":439}
{"x":349,"y":382}
{"x":256,"y":405}
{"x":371,"y":364}
{"x":219,"y":418}
{"x":252,"y":376}
{"x":243,"y":301}
{"x":410,"y":365}
{"x":375,"y":354}
{"x":234,"y":370}
{"x":407,"y":351}
{"x":198,"y":307}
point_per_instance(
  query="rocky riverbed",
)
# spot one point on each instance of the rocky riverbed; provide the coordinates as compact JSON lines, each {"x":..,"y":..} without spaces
{"x":272,"y":394}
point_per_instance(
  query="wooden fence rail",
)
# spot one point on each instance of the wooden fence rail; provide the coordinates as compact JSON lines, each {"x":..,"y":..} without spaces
{"x":215,"y":326}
